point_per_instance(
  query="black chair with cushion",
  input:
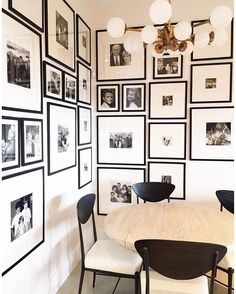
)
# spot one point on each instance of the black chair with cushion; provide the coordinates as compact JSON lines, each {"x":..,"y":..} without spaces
{"x":153,"y":191}
{"x":178,"y":266}
{"x":105,"y":257}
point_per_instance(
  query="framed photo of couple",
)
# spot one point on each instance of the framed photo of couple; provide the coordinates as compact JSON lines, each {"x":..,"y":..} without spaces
{"x":108,"y":97}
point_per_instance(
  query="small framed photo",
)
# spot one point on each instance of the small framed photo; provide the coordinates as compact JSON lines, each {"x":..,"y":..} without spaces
{"x":167,"y":140}
{"x":169,"y":172}
{"x":10,"y":142}
{"x":85,"y":125}
{"x":114,"y":63}
{"x":84,"y":83}
{"x":168,"y":66}
{"x":52,"y":81}
{"x":83,"y":33}
{"x":211,"y":133}
{"x":168,"y":100}
{"x":114,"y":187}
{"x":211,"y":83}
{"x":61,"y":137}
{"x":85,"y":166}
{"x":23,"y":222}
{"x":60,"y":33}
{"x":108,"y":97}
{"x":32,"y":141}
{"x":121,"y":139}
{"x":133,"y":97}
{"x":70,"y":88}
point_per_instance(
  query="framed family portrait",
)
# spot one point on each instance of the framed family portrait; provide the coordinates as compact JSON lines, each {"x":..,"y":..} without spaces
{"x":133,"y":97}
{"x":121,"y":139}
{"x":69,"y":88}
{"x":52,"y":81}
{"x":114,"y":187}
{"x":84,"y":125}
{"x":167,"y":140}
{"x":60,"y":33}
{"x":21,"y":66}
{"x":84,"y":83}
{"x":168,"y":66}
{"x":32,"y":141}
{"x":23,"y":224}
{"x":169,"y":172}
{"x":211,"y":83}
{"x":168,"y":100}
{"x":211,"y":133}
{"x":61,"y":137}
{"x":114,"y":63}
{"x":83,"y":33}
{"x":108,"y":97}
{"x":85,"y":166}
{"x":10,"y":142}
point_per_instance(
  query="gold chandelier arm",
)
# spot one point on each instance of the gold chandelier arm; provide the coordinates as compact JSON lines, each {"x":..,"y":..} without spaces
{"x":127,"y":29}
{"x":198,"y":24}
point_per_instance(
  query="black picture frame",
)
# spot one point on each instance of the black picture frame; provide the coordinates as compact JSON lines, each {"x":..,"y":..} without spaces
{"x":171,"y":67}
{"x":83,"y":33}
{"x":113,"y":91}
{"x":84,"y":125}
{"x":83,"y":83}
{"x":137,"y":101}
{"x":84,"y":167}
{"x":69,"y":88}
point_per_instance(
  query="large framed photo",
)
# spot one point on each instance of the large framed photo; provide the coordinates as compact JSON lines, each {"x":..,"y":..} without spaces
{"x":114,"y":187}
{"x":21,"y":66}
{"x":211,"y":83}
{"x":84,"y":125}
{"x":84,"y":83}
{"x":83,"y":33}
{"x":34,"y":15}
{"x":10,"y":142}
{"x":211,"y":133}
{"x":32,"y":141}
{"x":60,"y":33}
{"x":121,"y":139}
{"x":52,"y":81}
{"x":212,"y":52}
{"x":22,"y":227}
{"x":70,"y":88}
{"x":169,"y":172}
{"x":61,"y":137}
{"x":168,"y":66}
{"x":167,"y":100}
{"x":114,"y":63}
{"x":133,"y":97}
{"x":85,"y":166}
{"x":108,"y":97}
{"x":167,"y":140}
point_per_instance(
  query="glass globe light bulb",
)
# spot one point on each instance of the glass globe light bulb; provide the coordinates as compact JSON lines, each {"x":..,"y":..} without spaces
{"x":137,"y":43}
{"x":221,"y":17}
{"x":128,"y":44}
{"x":182,"y":30}
{"x":220,"y":37}
{"x":201,"y":39}
{"x":188,"y":50}
{"x":149,"y":34}
{"x":160,"y":11}
{"x":116,"y":27}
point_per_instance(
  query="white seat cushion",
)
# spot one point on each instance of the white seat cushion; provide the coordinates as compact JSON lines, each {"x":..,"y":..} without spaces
{"x":162,"y":285}
{"x":228,"y":259}
{"x":107,"y":255}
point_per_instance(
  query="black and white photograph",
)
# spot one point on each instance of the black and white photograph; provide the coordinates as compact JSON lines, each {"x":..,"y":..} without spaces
{"x":166,"y":179}
{"x":83,"y":33}
{"x":84,"y":125}
{"x":121,"y":192}
{"x":167,"y":100}
{"x":84,"y":166}
{"x":61,"y":30}
{"x":84,"y":83}
{"x":218,"y":133}
{"x":167,"y":140}
{"x":167,"y":66}
{"x":120,"y":140}
{"x":210,"y":83}
{"x":133,"y":97}
{"x":108,"y":98}
{"x":63,"y":138}
{"x":119,"y":56}
{"x":70,"y":88}
{"x":52,"y":81}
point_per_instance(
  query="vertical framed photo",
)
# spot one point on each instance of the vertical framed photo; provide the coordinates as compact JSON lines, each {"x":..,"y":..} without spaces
{"x":61,"y":137}
{"x":84,"y":127}
{"x":60,"y":33}
{"x":85,"y":166}
{"x":114,"y":187}
{"x":211,"y":133}
{"x":211,"y":83}
{"x":83,"y":33}
{"x":23,"y":224}
{"x":21,"y":66}
{"x":133,"y":97}
{"x":168,"y":100}
{"x":84,"y":83}
{"x":108,"y":97}
{"x":167,"y":140}
{"x":52,"y":81}
{"x":169,"y":172}
{"x":32,"y":141}
{"x":10,"y":142}
{"x":69,"y":88}
{"x":168,"y":66}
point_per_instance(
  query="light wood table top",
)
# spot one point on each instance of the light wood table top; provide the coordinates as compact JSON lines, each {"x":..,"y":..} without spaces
{"x":169,"y":221}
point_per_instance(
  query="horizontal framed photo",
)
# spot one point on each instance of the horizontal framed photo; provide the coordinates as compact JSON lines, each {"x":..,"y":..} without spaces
{"x":169,"y":172}
{"x":167,"y":140}
{"x":85,"y":166}
{"x":23,"y":225}
{"x":211,"y":133}
{"x":83,"y":33}
{"x":52,"y":81}
{"x":70,"y":88}
{"x":114,"y":63}
{"x":114,"y":187}
{"x":84,"y":125}
{"x":108,"y":97}
{"x":133,"y":97}
{"x":121,"y":139}
{"x":168,"y":66}
{"x":211,"y":83}
{"x":84,"y":83}
{"x":168,"y":100}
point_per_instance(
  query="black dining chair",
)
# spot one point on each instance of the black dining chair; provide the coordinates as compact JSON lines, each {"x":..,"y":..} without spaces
{"x":105,"y":257}
{"x":226,"y":199}
{"x":153,"y":191}
{"x":178,"y":266}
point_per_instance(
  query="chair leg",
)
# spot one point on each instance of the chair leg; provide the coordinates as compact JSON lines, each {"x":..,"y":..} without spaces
{"x":230,"y":279}
{"x":94,"y":279}
{"x":137,"y":283}
{"x":81,"y":280}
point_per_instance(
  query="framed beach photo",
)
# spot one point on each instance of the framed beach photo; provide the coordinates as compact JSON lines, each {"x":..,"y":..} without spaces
{"x":52,"y":81}
{"x":133,"y":97}
{"x":69,"y":88}
{"x":83,"y":33}
{"x":108,"y":97}
{"x":84,"y":166}
{"x":84,"y":83}
{"x":168,"y":66}
{"x":84,"y":125}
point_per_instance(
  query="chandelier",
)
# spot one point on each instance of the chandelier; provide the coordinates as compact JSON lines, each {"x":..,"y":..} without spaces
{"x":173,"y":39}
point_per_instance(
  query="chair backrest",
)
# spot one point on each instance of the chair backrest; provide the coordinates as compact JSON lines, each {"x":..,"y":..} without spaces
{"x":153,"y":191}
{"x":226,"y":198}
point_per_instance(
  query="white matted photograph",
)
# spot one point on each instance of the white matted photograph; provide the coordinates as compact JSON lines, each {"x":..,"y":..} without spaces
{"x":84,"y":83}
{"x":84,"y":166}
{"x":83,"y":33}
{"x":84,"y":125}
